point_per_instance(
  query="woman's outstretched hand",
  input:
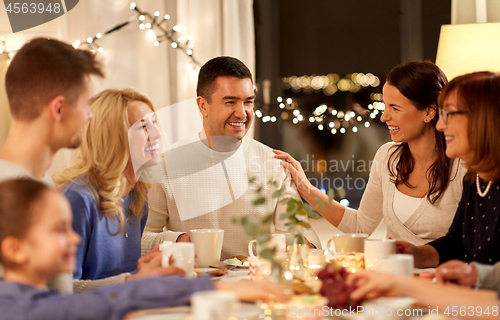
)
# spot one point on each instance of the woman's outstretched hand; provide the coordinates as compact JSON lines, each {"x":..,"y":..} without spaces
{"x":292,"y":165}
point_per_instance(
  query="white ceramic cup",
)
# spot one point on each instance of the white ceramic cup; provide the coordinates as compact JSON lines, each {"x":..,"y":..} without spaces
{"x":401,"y":264}
{"x":213,"y":305}
{"x":347,"y":242}
{"x":207,"y":245}
{"x":183,"y":254}
{"x":277,"y":241}
{"x":376,"y":247}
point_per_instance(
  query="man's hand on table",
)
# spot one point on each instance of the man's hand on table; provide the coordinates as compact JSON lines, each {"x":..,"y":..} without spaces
{"x":457,"y":272}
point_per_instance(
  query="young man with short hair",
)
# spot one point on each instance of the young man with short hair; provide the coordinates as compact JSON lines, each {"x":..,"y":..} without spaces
{"x":48,"y":87}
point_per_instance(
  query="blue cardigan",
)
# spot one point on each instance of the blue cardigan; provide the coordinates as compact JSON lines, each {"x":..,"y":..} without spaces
{"x":102,"y":253}
{"x":23,"y":302}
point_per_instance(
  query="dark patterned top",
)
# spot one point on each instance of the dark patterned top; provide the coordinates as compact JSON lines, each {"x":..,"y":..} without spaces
{"x":474,"y":234}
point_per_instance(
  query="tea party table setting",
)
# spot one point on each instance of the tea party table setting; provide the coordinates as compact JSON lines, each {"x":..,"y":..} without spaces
{"x":315,"y":287}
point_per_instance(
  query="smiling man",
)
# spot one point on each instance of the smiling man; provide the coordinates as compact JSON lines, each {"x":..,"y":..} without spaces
{"x":206,"y":176}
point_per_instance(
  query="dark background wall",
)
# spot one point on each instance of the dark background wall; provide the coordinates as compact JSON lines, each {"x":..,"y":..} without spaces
{"x":304,"y":37}
{"x":317,"y":37}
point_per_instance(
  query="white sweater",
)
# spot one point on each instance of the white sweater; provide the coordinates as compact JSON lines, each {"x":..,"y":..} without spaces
{"x":427,"y":223}
{"x":165,"y":223}
{"x":8,"y":170}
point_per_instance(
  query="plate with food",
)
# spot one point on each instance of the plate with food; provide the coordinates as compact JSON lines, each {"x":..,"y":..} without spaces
{"x":211,"y":272}
{"x":238,"y":261}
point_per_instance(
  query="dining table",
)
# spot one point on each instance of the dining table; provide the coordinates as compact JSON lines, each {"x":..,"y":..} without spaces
{"x":256,"y":311}
{"x":243,"y":311}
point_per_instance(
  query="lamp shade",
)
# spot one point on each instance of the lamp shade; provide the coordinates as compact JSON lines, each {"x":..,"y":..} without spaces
{"x":465,"y":48}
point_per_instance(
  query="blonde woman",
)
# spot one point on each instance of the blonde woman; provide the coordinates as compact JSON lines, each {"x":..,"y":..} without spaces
{"x":109,"y":203}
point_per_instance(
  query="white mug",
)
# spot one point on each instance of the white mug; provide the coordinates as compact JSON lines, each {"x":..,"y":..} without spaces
{"x":347,"y":242}
{"x":401,"y":264}
{"x":207,"y":245}
{"x":277,"y":241}
{"x":183,"y":254}
{"x":376,"y":247}
{"x":213,"y":305}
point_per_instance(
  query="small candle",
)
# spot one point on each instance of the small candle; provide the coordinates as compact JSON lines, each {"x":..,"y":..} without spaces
{"x":315,"y":261}
{"x":351,"y":261}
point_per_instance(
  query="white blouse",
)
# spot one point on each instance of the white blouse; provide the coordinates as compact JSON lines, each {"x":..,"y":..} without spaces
{"x":404,"y":205}
{"x":428,"y":222}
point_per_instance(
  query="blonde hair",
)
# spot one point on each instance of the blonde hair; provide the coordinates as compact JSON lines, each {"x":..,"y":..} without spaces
{"x":104,"y":154}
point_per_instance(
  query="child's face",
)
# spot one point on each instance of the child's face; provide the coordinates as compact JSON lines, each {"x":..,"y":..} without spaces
{"x":50,"y":241}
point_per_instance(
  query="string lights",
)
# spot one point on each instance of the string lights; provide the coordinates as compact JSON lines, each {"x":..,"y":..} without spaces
{"x":326,"y":117}
{"x":91,"y":42}
{"x":157,"y":32}
{"x":330,"y":83}
{"x":155,"y":24}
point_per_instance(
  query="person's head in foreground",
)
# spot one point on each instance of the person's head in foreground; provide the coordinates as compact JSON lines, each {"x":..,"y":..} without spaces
{"x":36,"y":237}
{"x":105,"y":157}
{"x":410,"y":97}
{"x":38,"y":242}
{"x":470,"y":116}
{"x":48,"y":82}
{"x":225,"y":97}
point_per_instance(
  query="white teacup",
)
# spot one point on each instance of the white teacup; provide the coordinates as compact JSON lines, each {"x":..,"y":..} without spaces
{"x":347,"y":242}
{"x":208,"y":246}
{"x":401,"y":264}
{"x":213,"y":305}
{"x":376,"y":247}
{"x":277,"y":241}
{"x":182,"y":253}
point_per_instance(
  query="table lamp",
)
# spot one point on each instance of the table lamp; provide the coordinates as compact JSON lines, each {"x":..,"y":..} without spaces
{"x":465,"y":48}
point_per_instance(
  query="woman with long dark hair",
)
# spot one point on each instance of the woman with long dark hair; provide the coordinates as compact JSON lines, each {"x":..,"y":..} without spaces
{"x":412,"y":184}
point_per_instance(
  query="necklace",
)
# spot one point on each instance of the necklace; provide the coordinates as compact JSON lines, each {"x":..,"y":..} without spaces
{"x":482,"y":194}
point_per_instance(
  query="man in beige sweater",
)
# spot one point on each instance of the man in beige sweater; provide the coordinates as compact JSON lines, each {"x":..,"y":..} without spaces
{"x":48,"y":86}
{"x":202,"y":184}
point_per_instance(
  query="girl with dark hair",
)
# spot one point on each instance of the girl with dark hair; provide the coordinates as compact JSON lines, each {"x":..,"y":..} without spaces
{"x":38,"y":242}
{"x":412,"y":184}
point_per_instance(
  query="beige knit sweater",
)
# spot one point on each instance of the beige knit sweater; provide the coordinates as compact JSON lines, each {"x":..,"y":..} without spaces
{"x":165,"y":223}
{"x":428,"y":222}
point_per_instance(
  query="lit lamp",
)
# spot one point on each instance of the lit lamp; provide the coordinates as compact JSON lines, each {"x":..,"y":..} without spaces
{"x":465,"y":48}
